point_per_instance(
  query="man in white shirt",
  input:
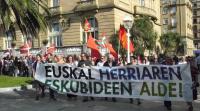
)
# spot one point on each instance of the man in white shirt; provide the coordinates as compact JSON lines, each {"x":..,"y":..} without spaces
{"x":101,"y":62}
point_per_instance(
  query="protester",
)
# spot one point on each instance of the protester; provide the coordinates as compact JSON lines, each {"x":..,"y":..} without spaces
{"x":49,"y":59}
{"x":194,"y":74}
{"x":9,"y":63}
{"x":83,"y":63}
{"x":40,"y":88}
{"x":168,"y":61}
{"x":134,"y":62}
{"x":198,"y":61}
{"x":1,"y":66}
{"x":110,"y":63}
{"x":101,"y":61}
{"x":70,"y":61}
{"x":76,"y":59}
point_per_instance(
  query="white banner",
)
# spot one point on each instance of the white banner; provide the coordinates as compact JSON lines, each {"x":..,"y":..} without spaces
{"x":152,"y":82}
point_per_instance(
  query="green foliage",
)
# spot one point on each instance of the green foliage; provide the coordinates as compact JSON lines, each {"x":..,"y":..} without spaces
{"x":13,"y":44}
{"x":115,"y":43}
{"x":23,"y":14}
{"x":45,"y":42}
{"x":7,"y":81}
{"x":143,"y":35}
{"x":171,"y":42}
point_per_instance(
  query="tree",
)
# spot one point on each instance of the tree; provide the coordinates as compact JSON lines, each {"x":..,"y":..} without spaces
{"x":45,"y":42}
{"x":143,"y":35}
{"x":24,"y":14}
{"x":114,"y":40}
{"x":172,"y":42}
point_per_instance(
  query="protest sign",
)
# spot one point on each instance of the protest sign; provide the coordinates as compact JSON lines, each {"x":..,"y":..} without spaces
{"x":151,"y":82}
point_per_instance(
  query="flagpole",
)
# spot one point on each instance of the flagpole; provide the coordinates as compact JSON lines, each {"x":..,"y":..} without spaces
{"x":118,"y":49}
{"x":28,"y":46}
{"x":86,"y":36}
{"x":85,"y":44}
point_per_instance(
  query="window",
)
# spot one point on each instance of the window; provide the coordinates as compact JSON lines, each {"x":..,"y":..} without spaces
{"x":173,"y":22}
{"x":194,"y":21}
{"x":165,"y":21}
{"x":94,"y":28}
{"x":195,"y":35}
{"x":173,"y":10}
{"x":142,"y":2}
{"x":194,"y":5}
{"x":9,"y":40}
{"x":165,"y":10}
{"x":194,"y":28}
{"x":165,"y":30}
{"x":164,"y":1}
{"x":194,"y":12}
{"x":173,"y":1}
{"x":28,"y":40}
{"x":174,"y":30}
{"x":57,"y":40}
{"x":55,"y":3}
{"x":55,"y":35}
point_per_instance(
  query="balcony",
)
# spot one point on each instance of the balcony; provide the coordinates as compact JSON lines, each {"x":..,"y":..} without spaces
{"x":172,"y":26}
{"x":173,"y":2}
{"x":55,"y":10}
{"x":141,"y":10}
{"x":86,"y":5}
{"x":196,"y":7}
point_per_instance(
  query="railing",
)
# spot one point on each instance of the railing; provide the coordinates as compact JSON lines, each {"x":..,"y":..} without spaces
{"x":86,"y":1}
{"x":85,"y":5}
{"x":55,"y":10}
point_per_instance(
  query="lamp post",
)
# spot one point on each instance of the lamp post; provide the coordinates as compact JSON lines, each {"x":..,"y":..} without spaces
{"x":185,"y":46}
{"x":128,"y":23}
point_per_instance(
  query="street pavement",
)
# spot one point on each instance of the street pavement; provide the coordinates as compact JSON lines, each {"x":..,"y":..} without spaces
{"x":25,"y":101}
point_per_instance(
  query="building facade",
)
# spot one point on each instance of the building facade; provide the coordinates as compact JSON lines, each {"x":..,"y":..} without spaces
{"x":196,"y":22}
{"x":105,"y":16}
{"x":176,"y":16}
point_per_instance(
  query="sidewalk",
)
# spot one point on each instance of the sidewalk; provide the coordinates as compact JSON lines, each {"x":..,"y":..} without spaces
{"x":10,"y":89}
{"x":25,"y":101}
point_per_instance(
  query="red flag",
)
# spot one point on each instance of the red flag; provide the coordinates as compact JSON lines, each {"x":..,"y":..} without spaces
{"x":123,"y":39}
{"x":87,"y":26}
{"x":95,"y":53}
{"x":111,"y":50}
{"x":29,"y":42}
{"x":51,"y":49}
{"x":24,"y":49}
{"x":91,"y":43}
{"x":94,"y":47}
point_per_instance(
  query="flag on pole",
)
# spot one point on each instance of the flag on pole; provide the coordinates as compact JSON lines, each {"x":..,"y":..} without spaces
{"x":51,"y":49}
{"x":29,"y":42}
{"x":91,"y":43}
{"x":24,"y":49}
{"x":103,"y":40}
{"x":87,"y":25}
{"x":112,"y":50}
{"x":93,"y":46}
{"x":123,"y":39}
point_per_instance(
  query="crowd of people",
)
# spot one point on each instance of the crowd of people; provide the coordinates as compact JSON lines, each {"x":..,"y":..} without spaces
{"x":26,"y":66}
